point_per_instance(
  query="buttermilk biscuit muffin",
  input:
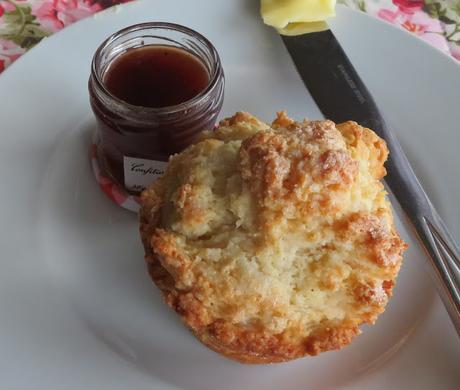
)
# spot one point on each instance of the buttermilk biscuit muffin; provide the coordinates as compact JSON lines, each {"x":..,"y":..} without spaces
{"x":274,"y":242}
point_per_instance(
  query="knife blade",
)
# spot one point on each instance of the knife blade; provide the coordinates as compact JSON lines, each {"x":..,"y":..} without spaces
{"x":341,"y":95}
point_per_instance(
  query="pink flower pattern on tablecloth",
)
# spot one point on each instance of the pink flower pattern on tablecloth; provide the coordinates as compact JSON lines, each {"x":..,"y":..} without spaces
{"x":435,"y":21}
{"x":9,"y":52}
{"x":24,"y":23}
{"x":410,"y":15}
{"x":56,"y":14}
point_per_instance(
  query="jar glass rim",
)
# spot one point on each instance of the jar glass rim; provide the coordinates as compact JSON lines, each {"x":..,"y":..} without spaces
{"x":214,"y":77}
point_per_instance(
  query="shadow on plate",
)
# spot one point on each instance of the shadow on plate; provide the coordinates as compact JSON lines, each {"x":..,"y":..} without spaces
{"x":95,"y":255}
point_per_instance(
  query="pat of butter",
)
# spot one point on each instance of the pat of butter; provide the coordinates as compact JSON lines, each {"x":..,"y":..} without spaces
{"x":295,"y":17}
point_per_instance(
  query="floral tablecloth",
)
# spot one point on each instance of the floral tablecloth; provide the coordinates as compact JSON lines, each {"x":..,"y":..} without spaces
{"x":24,"y":23}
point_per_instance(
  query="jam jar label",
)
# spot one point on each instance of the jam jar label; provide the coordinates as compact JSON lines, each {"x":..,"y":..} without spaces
{"x":140,"y":173}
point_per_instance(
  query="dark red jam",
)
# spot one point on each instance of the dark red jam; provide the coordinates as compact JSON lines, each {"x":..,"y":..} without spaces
{"x":152,"y":94}
{"x":156,"y":76}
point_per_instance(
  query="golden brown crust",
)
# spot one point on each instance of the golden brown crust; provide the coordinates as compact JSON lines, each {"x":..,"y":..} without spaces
{"x":274,"y":242}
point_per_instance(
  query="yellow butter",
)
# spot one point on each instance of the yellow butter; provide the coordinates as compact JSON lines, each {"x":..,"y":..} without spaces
{"x":295,"y":17}
{"x":303,"y":28}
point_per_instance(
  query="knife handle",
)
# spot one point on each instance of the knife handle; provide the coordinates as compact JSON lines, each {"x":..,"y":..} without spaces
{"x":341,"y":95}
{"x":331,"y":78}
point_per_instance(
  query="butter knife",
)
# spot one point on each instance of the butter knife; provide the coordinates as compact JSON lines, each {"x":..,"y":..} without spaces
{"x":341,"y":95}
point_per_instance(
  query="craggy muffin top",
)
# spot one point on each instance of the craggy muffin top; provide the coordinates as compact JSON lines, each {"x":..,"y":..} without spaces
{"x":274,"y":242}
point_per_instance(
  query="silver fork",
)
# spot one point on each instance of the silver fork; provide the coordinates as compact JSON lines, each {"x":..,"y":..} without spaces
{"x":328,"y":73}
{"x":439,"y":245}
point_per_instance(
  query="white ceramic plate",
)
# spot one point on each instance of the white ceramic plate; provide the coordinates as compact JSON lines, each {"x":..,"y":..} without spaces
{"x":77,"y":308}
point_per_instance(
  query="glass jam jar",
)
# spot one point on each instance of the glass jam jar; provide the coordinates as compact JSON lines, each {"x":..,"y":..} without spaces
{"x":135,"y":141}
